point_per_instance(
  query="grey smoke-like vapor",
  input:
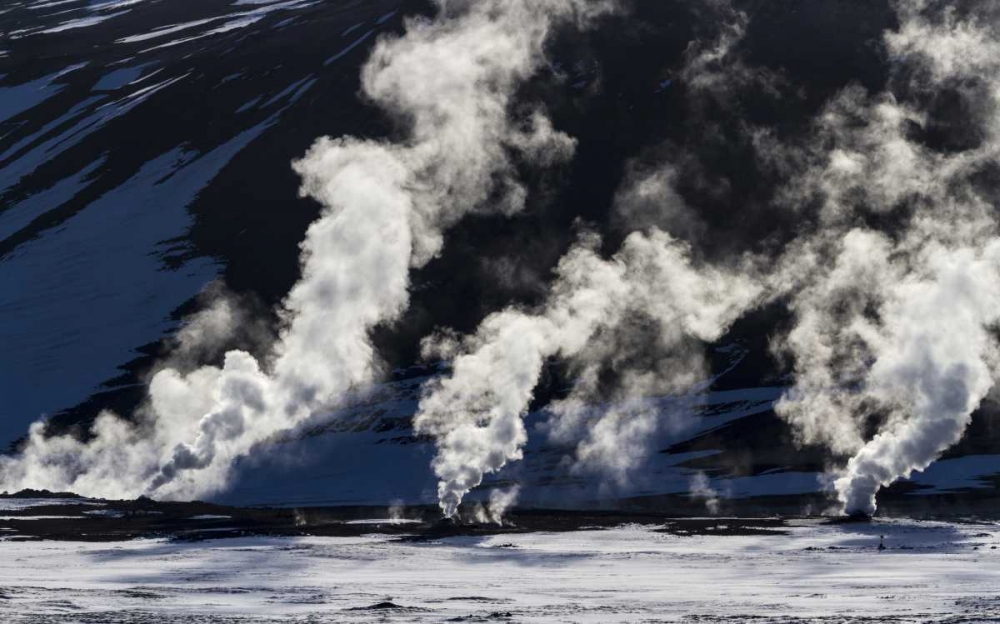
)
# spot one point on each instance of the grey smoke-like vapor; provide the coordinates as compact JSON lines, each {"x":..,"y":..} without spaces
{"x":386,"y":206}
{"x":714,"y":69}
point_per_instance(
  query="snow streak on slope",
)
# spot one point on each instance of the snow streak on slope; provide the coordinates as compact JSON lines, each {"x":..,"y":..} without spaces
{"x":124,"y":223}
{"x":77,"y":142}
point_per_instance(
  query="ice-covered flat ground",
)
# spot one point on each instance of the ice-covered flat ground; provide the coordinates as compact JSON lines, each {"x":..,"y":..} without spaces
{"x":930,"y":572}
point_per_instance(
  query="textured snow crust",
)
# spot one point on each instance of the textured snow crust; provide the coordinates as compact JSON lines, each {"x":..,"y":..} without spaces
{"x":929,"y":572}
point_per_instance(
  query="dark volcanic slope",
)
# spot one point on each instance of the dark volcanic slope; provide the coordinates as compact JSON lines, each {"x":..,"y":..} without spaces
{"x":145,"y":151}
{"x":153,"y":154}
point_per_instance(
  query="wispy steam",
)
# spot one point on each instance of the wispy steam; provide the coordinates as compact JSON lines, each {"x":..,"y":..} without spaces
{"x":892,"y":281}
{"x":701,"y":489}
{"x":714,"y":68}
{"x":385,"y":209}
{"x":496,"y":508}
{"x":891,"y":270}
{"x":639,"y":318}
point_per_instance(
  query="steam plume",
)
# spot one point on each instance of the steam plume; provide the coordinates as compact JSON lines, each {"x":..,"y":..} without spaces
{"x":640,"y":317}
{"x":897,"y":321}
{"x":385,"y":210}
{"x":496,"y":508}
{"x":701,"y":489}
{"x":476,"y":414}
{"x":893,"y":280}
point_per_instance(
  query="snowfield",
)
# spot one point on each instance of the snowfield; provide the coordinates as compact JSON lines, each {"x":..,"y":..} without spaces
{"x":815,"y":572}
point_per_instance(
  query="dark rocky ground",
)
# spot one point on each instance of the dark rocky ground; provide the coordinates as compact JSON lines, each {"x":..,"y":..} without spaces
{"x":66,"y":517}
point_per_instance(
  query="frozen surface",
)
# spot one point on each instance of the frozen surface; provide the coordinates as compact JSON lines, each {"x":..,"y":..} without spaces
{"x":950,"y":475}
{"x":81,"y":22}
{"x":29,"y":518}
{"x":119,"y":78}
{"x":14,"y":100}
{"x":20,"y":504}
{"x":930,"y":572}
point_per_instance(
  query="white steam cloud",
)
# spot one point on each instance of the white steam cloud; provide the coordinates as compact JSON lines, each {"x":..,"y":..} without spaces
{"x":897,"y":322}
{"x":385,"y":209}
{"x":894,"y":292}
{"x":893,"y":284}
{"x":643,"y":315}
{"x":476,"y":414}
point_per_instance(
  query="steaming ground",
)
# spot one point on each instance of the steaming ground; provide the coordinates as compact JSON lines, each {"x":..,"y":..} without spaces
{"x":632,"y":219}
{"x":721,"y":571}
{"x":106,"y":239}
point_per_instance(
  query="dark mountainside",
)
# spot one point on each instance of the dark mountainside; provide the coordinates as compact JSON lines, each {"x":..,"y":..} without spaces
{"x":261,"y":94}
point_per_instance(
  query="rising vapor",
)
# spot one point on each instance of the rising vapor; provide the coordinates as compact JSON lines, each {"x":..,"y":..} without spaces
{"x":896,"y":296}
{"x":450,"y":81}
{"x":890,"y":273}
{"x":893,"y":283}
{"x":476,"y":414}
{"x":641,"y":317}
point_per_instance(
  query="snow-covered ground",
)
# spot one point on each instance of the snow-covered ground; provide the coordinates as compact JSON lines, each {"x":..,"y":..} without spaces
{"x":929,"y":572}
{"x":20,"y":504}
